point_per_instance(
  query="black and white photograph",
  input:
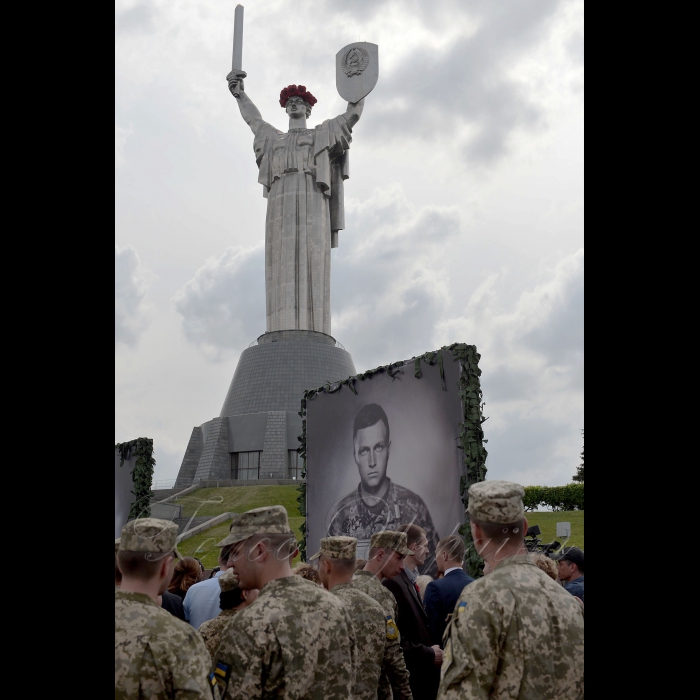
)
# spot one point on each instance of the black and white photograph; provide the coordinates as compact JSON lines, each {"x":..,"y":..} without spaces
{"x":385,"y":457}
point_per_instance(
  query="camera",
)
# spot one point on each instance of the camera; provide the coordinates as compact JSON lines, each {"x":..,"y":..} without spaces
{"x":534,"y":544}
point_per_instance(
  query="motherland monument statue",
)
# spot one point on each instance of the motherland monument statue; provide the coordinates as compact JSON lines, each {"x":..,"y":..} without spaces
{"x":302,"y":172}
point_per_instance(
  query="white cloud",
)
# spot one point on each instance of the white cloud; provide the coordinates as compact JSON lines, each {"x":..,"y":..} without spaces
{"x":389,"y":277}
{"x":532,"y":364}
{"x":120,"y":136}
{"x":132,"y":312}
{"x":223,"y":305}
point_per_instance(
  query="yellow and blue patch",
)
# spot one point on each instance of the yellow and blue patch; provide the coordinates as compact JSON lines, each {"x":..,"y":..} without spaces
{"x":392,"y":631}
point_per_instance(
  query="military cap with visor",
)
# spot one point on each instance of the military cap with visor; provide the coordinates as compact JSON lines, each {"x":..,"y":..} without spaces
{"x":337,"y":548}
{"x":149,"y":535}
{"x":268,"y":520}
{"x":390,"y":539}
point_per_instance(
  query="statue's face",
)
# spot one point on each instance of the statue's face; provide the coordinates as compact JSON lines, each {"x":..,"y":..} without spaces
{"x":296,"y":107}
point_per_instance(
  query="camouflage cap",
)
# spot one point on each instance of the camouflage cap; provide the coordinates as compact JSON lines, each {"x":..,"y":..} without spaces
{"x":499,"y":502}
{"x":337,"y":548}
{"x":149,"y":535}
{"x":269,"y":520}
{"x":390,"y":539}
{"x":116,"y":544}
{"x":228,"y":581}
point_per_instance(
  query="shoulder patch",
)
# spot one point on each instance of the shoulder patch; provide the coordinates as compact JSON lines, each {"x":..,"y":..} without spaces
{"x":392,"y":631}
{"x":219,"y":677}
{"x":461,"y":607}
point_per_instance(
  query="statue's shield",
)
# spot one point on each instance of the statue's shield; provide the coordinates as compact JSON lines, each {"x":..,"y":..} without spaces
{"x":356,"y":70}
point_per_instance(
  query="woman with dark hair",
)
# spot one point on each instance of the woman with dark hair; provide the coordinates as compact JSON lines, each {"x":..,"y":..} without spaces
{"x":187,"y":573}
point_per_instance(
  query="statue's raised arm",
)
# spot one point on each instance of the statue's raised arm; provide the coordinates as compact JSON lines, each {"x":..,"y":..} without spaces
{"x":249,"y":112}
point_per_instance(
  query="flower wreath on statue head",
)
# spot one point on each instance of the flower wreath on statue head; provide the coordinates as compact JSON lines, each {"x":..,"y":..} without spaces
{"x":297,"y":91}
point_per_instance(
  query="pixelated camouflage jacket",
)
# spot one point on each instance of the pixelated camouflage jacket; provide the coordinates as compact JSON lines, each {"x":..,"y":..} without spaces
{"x":514,"y":634}
{"x":393,"y":681}
{"x":354,"y":518}
{"x":295,"y":641}
{"x":211,"y":630}
{"x":157,"y":656}
{"x":371,"y":636}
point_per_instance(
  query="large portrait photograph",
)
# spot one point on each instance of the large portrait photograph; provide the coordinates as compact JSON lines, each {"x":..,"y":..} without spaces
{"x":386,"y":455}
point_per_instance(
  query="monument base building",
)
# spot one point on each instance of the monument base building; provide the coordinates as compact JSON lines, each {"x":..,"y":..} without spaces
{"x":256,"y":433}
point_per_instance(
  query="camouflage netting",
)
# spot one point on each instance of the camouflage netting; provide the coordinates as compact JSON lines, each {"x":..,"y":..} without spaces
{"x":141,"y":474}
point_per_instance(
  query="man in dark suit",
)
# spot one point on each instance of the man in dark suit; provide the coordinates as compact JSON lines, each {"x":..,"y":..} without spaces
{"x":441,"y":595}
{"x":423,"y":658}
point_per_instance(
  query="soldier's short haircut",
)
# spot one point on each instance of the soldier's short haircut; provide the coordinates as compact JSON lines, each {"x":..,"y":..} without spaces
{"x":140,"y":565}
{"x":500,"y":533}
{"x":344,"y":566}
{"x":224,"y":554}
{"x":283,"y":546}
{"x":230,"y":599}
{"x":413,"y":533}
{"x":454,"y":546}
{"x":369,"y":415}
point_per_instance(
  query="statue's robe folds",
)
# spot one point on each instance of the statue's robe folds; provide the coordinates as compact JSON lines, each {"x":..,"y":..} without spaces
{"x":302,"y":175}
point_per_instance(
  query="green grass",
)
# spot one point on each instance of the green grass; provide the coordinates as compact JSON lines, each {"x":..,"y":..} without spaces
{"x":232,"y":499}
{"x":238,"y":499}
{"x":548,"y":524}
{"x":203,"y":546}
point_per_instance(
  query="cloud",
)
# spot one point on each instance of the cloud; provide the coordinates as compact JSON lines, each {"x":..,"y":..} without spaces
{"x":223,"y":305}
{"x":389,"y":279}
{"x":132,"y":313}
{"x":466,"y":88}
{"x":532,"y":364}
{"x":138,"y":18}
{"x":120,"y":136}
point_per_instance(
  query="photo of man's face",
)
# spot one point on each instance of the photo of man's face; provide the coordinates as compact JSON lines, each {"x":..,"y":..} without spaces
{"x":371,"y":451}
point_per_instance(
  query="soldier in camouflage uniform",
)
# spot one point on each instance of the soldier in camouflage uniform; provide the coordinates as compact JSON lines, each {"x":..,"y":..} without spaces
{"x":514,"y":633}
{"x":232,"y":600}
{"x":372,"y":632}
{"x":297,"y":640}
{"x":387,"y":552}
{"x":378,"y":503}
{"x":157,"y":656}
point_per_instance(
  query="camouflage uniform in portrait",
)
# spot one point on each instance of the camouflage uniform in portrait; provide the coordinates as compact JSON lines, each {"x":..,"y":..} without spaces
{"x":354,"y":518}
{"x":157,"y":656}
{"x":515,"y":633}
{"x":296,"y":641}
{"x":393,"y":681}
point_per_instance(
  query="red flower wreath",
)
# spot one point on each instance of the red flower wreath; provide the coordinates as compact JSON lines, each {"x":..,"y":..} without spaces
{"x":296,"y":91}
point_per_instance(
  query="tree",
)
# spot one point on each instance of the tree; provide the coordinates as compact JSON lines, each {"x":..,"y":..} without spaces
{"x":579,"y":470}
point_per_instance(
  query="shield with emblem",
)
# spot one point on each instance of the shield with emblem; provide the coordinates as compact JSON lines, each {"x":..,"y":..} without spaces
{"x":356,"y":70}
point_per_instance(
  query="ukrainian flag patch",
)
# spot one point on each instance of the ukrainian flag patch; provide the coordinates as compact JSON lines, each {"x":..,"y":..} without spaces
{"x":461,"y":607}
{"x":392,"y":631}
{"x":219,"y":676}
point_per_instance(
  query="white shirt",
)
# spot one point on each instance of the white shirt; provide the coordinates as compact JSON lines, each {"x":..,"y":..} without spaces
{"x":452,"y":568}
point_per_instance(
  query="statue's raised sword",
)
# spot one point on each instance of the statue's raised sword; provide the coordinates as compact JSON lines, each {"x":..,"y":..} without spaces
{"x":237,"y":62}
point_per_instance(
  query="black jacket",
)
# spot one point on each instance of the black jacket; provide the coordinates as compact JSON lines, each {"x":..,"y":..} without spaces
{"x":440,"y":599}
{"x":416,"y":640}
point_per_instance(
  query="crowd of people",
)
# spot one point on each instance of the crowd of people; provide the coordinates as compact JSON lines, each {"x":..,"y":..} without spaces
{"x":339,"y":627}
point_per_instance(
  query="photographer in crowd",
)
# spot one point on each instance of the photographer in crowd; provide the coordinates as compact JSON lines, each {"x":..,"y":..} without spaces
{"x":570,"y":563}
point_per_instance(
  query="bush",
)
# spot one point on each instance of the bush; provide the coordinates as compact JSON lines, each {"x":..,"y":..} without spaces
{"x":569,"y":497}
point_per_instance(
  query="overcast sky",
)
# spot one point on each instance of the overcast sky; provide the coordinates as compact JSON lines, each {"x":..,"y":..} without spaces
{"x":464,"y":207}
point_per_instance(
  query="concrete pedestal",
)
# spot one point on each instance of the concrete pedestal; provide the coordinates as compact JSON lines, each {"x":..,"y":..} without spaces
{"x":261,"y":409}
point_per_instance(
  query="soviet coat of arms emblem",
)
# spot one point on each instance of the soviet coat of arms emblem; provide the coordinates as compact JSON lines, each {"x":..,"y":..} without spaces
{"x":356,"y":70}
{"x":355,"y":61}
